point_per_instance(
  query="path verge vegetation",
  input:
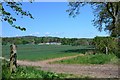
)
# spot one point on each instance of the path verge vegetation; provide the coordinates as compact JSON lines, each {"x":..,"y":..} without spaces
{"x":91,"y":59}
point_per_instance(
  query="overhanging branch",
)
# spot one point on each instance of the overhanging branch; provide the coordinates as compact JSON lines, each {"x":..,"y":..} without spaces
{"x":107,"y":6}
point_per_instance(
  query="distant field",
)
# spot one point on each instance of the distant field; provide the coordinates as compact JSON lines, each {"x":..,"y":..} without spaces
{"x":42,"y":52}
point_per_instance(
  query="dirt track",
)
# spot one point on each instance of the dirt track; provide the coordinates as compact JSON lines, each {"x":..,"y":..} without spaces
{"x":98,"y":71}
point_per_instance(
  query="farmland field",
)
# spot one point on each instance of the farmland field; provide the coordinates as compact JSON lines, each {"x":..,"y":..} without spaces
{"x":42,"y":52}
{"x":74,"y":66}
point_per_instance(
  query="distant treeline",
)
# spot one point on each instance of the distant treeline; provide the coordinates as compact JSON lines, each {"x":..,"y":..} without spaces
{"x":38,"y":40}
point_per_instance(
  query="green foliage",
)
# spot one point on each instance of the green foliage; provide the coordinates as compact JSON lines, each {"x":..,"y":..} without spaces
{"x":106,"y":14}
{"x":102,"y":42}
{"x":76,"y":41}
{"x":17,"y":8}
{"x":28,"y":72}
{"x":37,"y":40}
{"x":91,"y":59}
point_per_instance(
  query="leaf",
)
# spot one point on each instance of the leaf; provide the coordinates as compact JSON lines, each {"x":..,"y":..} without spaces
{"x":5,"y":19}
{"x":10,"y":21}
{"x":23,"y":29}
{"x":0,"y":6}
{"x":14,"y":19}
{"x":18,"y":27}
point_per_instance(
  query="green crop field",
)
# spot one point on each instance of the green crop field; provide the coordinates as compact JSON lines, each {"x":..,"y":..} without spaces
{"x":42,"y":52}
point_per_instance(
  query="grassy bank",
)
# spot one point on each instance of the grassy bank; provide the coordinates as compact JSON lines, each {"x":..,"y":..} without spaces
{"x":91,"y":59}
{"x":28,"y":72}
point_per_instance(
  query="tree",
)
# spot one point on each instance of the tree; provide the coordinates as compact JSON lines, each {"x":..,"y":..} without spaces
{"x":107,"y":15}
{"x":17,"y":8}
{"x":102,"y":42}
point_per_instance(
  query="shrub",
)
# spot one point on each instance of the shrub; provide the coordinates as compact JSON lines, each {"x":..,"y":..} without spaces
{"x":101,"y":43}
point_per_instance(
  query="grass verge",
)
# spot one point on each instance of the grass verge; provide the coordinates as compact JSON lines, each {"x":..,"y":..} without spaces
{"x":91,"y":59}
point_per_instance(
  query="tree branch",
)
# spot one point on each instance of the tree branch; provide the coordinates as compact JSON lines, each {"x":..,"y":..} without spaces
{"x":107,"y":6}
{"x":116,"y":12}
{"x":112,"y":8}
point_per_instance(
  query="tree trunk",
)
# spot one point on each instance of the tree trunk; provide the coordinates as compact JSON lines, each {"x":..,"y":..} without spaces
{"x":106,"y":50}
{"x":13,"y":58}
{"x":116,"y":16}
{"x":116,"y":26}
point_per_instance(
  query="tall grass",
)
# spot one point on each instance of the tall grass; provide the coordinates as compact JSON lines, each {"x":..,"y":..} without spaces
{"x":91,"y":59}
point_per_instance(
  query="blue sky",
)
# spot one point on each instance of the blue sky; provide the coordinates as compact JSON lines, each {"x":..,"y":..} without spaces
{"x":51,"y":19}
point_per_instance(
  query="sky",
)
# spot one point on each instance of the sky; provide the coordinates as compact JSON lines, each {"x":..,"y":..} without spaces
{"x":51,"y":19}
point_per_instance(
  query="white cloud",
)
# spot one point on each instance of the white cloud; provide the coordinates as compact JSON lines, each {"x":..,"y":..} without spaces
{"x":37,"y":33}
{"x":34,"y":34}
{"x":30,"y":34}
{"x":47,"y":33}
{"x":17,"y":35}
{"x":54,"y":34}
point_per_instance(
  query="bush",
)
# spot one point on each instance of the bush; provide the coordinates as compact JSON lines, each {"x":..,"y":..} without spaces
{"x":101,"y":43}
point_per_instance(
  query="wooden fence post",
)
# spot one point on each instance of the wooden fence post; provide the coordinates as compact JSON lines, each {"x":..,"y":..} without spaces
{"x":13,"y":58}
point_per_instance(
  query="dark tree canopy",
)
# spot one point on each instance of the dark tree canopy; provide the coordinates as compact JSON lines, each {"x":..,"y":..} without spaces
{"x":17,"y":8}
{"x":107,"y":15}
